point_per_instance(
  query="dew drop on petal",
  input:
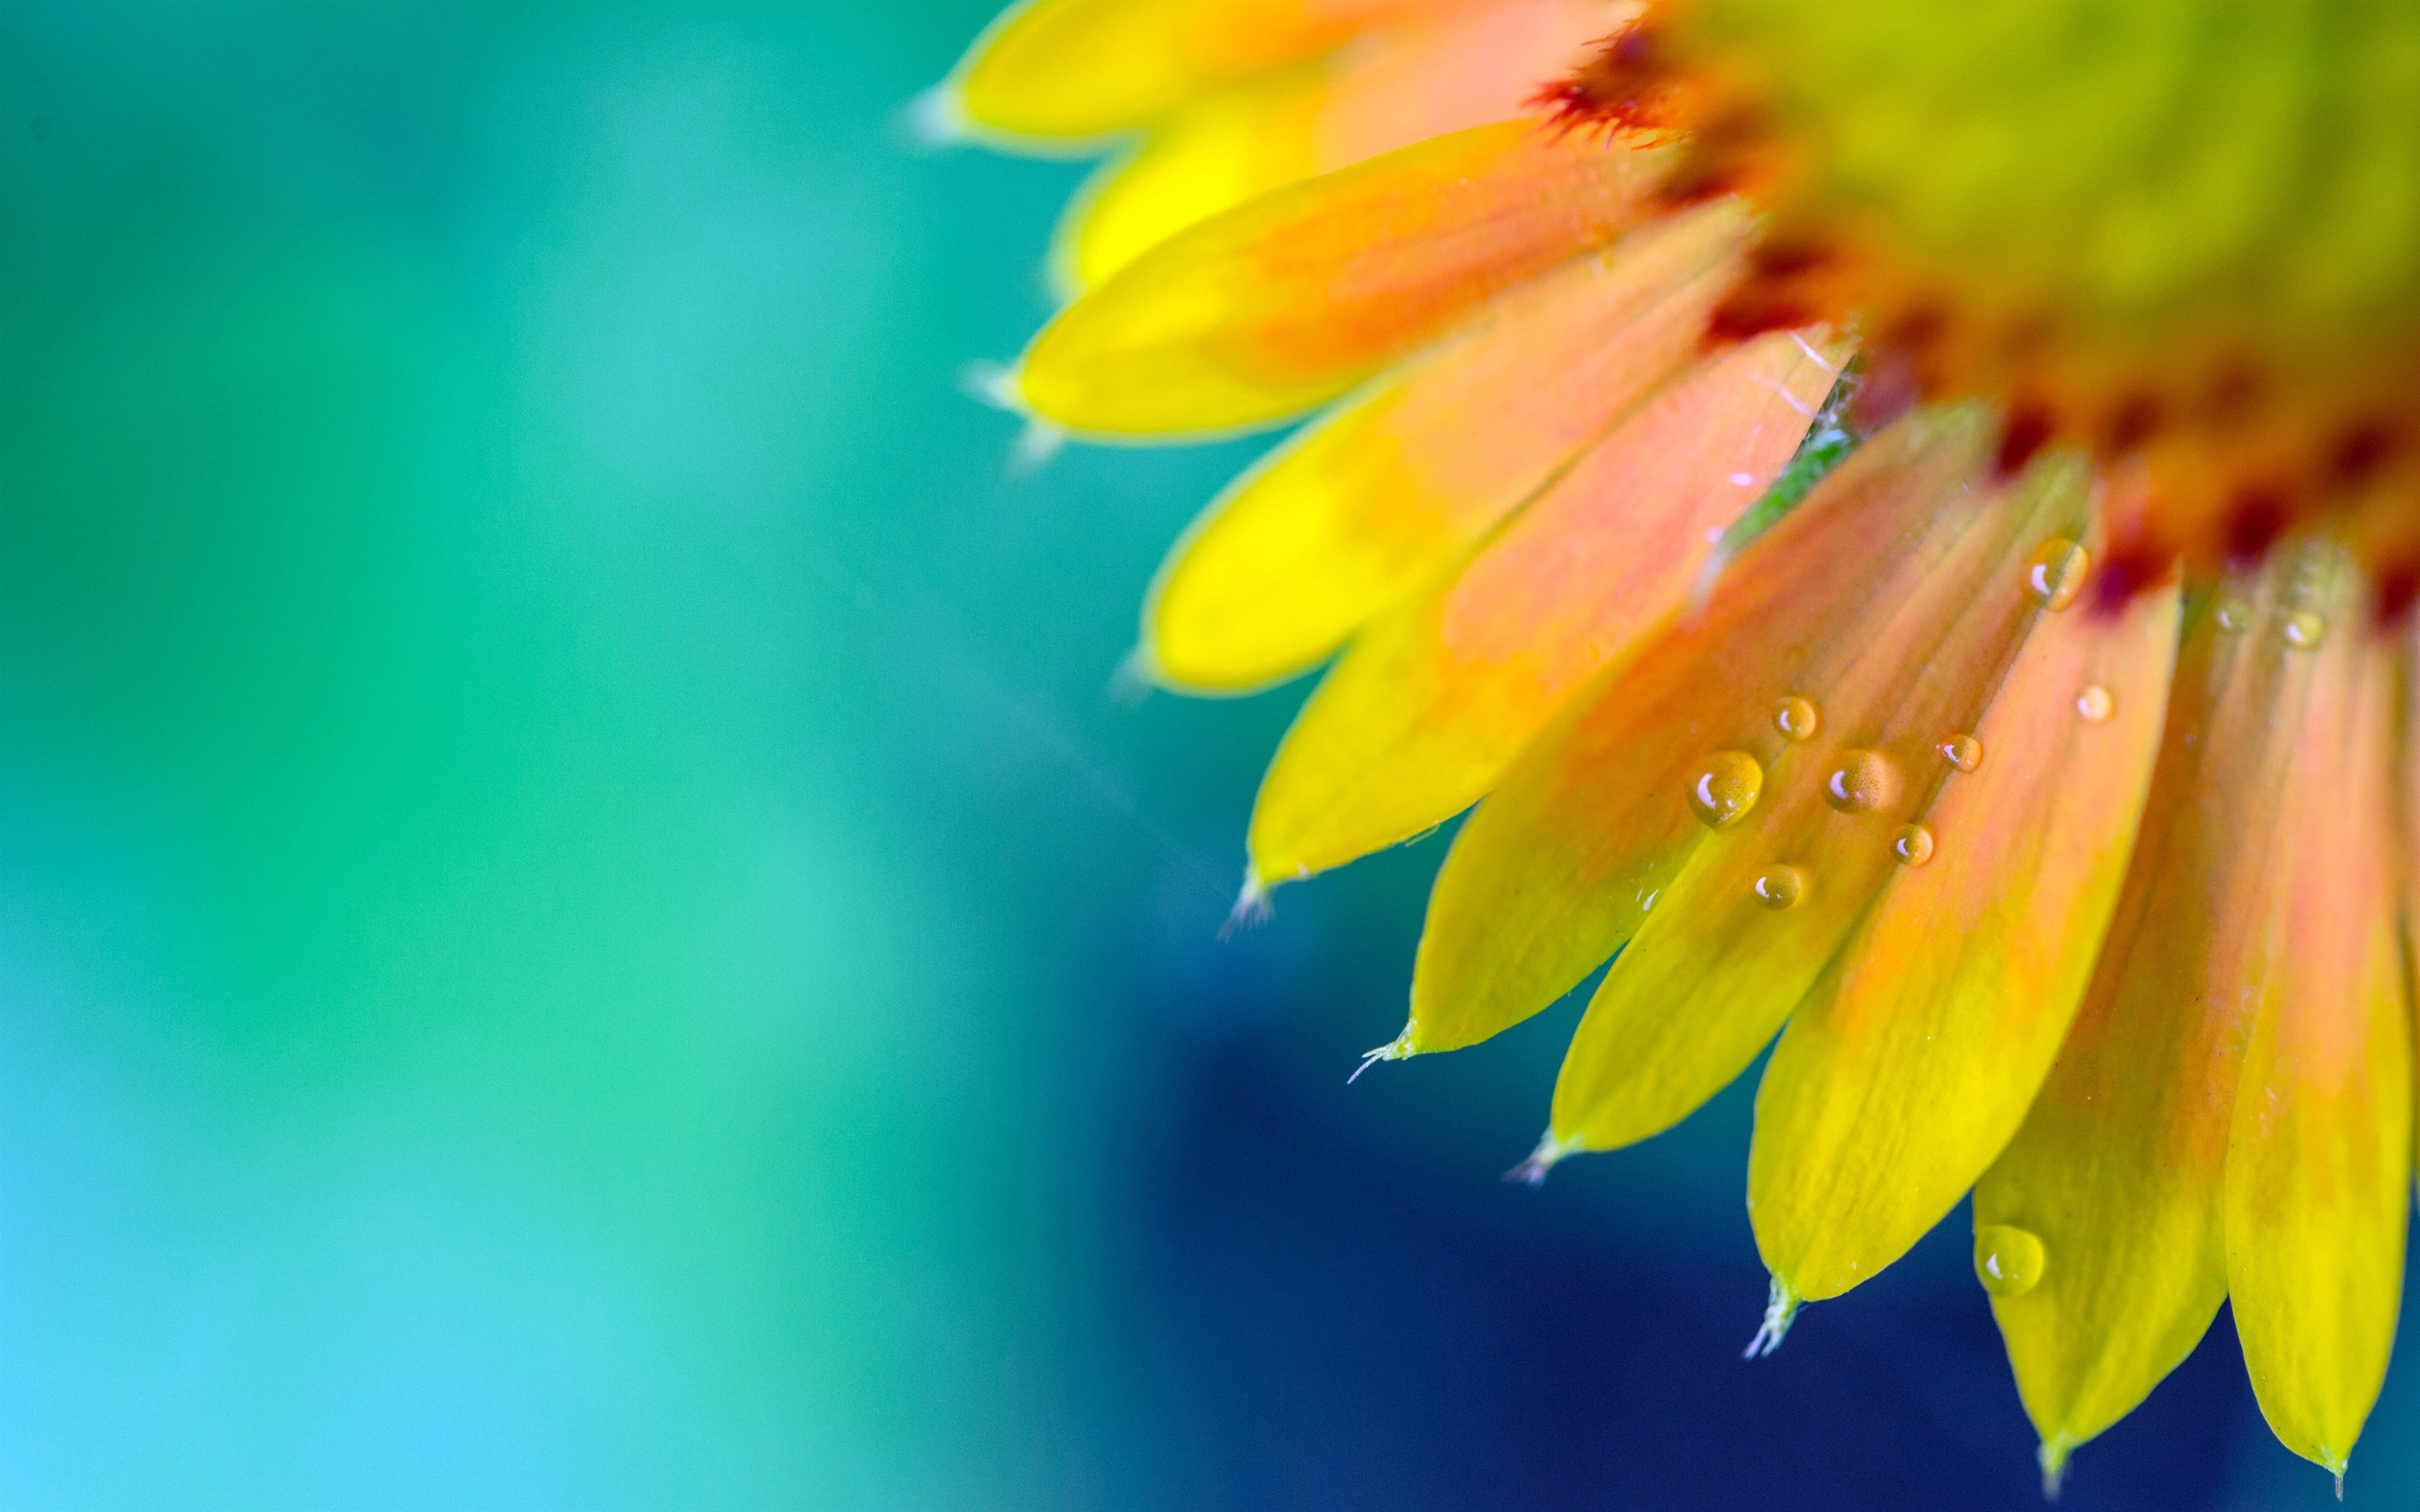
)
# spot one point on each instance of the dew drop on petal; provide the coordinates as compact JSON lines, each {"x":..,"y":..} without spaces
{"x":1727,"y":786}
{"x":1796,"y":718}
{"x":1780,"y":887}
{"x":1964,"y":752}
{"x":2094,"y":705}
{"x":1863,"y":779}
{"x":2007,"y":1261}
{"x":1912,"y":845}
{"x":2304,"y":629}
{"x":2055,"y":573}
{"x":2233,"y":615}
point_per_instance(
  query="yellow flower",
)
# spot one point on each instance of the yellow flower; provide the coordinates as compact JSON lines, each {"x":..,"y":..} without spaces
{"x":2039,"y":778}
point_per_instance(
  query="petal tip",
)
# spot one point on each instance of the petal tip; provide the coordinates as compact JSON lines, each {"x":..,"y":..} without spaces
{"x":1781,"y":1307}
{"x":2051,"y":1456}
{"x":1251,"y":908}
{"x":1552,"y":1150}
{"x":1398,"y":1048}
{"x":937,"y":117}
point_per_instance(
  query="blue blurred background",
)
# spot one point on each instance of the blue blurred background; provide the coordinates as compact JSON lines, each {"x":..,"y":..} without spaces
{"x":578,"y":927}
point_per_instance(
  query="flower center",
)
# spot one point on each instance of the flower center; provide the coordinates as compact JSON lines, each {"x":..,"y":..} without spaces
{"x":2186,"y":236}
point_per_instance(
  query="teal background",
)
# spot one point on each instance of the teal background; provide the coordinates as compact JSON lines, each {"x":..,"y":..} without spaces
{"x":579,"y":926}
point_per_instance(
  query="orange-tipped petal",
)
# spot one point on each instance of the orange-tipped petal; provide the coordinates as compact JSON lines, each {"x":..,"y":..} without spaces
{"x":1750,"y":921}
{"x":2116,"y":1173}
{"x":1458,"y":68}
{"x":1911,"y":1064}
{"x":1558,"y":867}
{"x":2318,"y":1165}
{"x":1363,"y":507}
{"x":1431,"y":704}
{"x":1276,"y":306}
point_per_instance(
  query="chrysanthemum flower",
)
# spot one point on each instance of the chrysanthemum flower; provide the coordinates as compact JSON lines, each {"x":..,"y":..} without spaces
{"x":2040,"y":777}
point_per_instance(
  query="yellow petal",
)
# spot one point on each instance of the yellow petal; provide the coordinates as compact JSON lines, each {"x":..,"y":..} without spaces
{"x":2116,"y":1171}
{"x":1908,"y":659}
{"x":1361,"y":507}
{"x":2318,"y":1162}
{"x":1911,"y":1064}
{"x":1556,"y":868}
{"x":1080,"y":68}
{"x":1077,"y":68}
{"x":1276,"y":306}
{"x":1434,"y":700}
{"x":1459,"y":68}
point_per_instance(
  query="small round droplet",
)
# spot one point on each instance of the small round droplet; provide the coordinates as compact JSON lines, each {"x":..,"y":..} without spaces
{"x":2055,"y":573}
{"x":2094,"y":705}
{"x":2304,"y":629}
{"x":2233,"y":615}
{"x":1796,"y":718}
{"x":1964,"y":752}
{"x":1912,"y":845}
{"x":2008,"y":1261}
{"x":1726,"y":787}
{"x":1780,"y":887}
{"x":1863,"y":779}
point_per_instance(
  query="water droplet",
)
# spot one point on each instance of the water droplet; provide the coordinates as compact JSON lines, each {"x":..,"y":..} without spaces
{"x":1912,"y":845}
{"x":1647,"y":900}
{"x":2055,"y":573}
{"x":2233,"y":615}
{"x":1863,"y":779}
{"x":2304,"y":629}
{"x":1963,"y":752}
{"x":2094,"y":704}
{"x":1796,"y":718}
{"x":2008,"y":1261}
{"x":1726,"y":788}
{"x":1780,"y":887}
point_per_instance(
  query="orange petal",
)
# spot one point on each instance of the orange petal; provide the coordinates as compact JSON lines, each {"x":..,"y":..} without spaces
{"x":1911,"y":1062}
{"x":1907,"y":661}
{"x":1403,"y":85}
{"x":2116,"y":1171}
{"x":2318,"y":1162}
{"x":1284,"y":303}
{"x":1363,"y":507}
{"x":1557,"y":868}
{"x":1431,"y":704}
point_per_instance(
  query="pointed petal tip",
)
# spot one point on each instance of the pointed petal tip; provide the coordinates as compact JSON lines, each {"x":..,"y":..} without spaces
{"x":1551,"y":1152}
{"x":936,"y":118}
{"x":1398,"y":1048}
{"x":996,"y":384}
{"x":1251,"y":908}
{"x":2051,"y":1456}
{"x":1034,"y":446}
{"x":1780,"y":1310}
{"x":1136,"y":677}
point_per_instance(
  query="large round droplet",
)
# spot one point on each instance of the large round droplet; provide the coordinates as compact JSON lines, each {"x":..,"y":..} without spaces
{"x":1912,"y":845}
{"x":1964,"y":752}
{"x":1862,"y":779}
{"x":1727,"y":786}
{"x":2304,"y":629}
{"x":2008,"y":1261}
{"x":2094,"y":704}
{"x":2055,"y":573}
{"x":1796,"y":718}
{"x":1780,"y":887}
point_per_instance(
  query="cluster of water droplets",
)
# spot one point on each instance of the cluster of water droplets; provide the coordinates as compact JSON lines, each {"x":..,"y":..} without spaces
{"x":1727,"y":785}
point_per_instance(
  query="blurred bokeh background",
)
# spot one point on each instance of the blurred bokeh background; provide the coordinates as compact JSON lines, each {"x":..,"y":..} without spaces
{"x":580,"y":926}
